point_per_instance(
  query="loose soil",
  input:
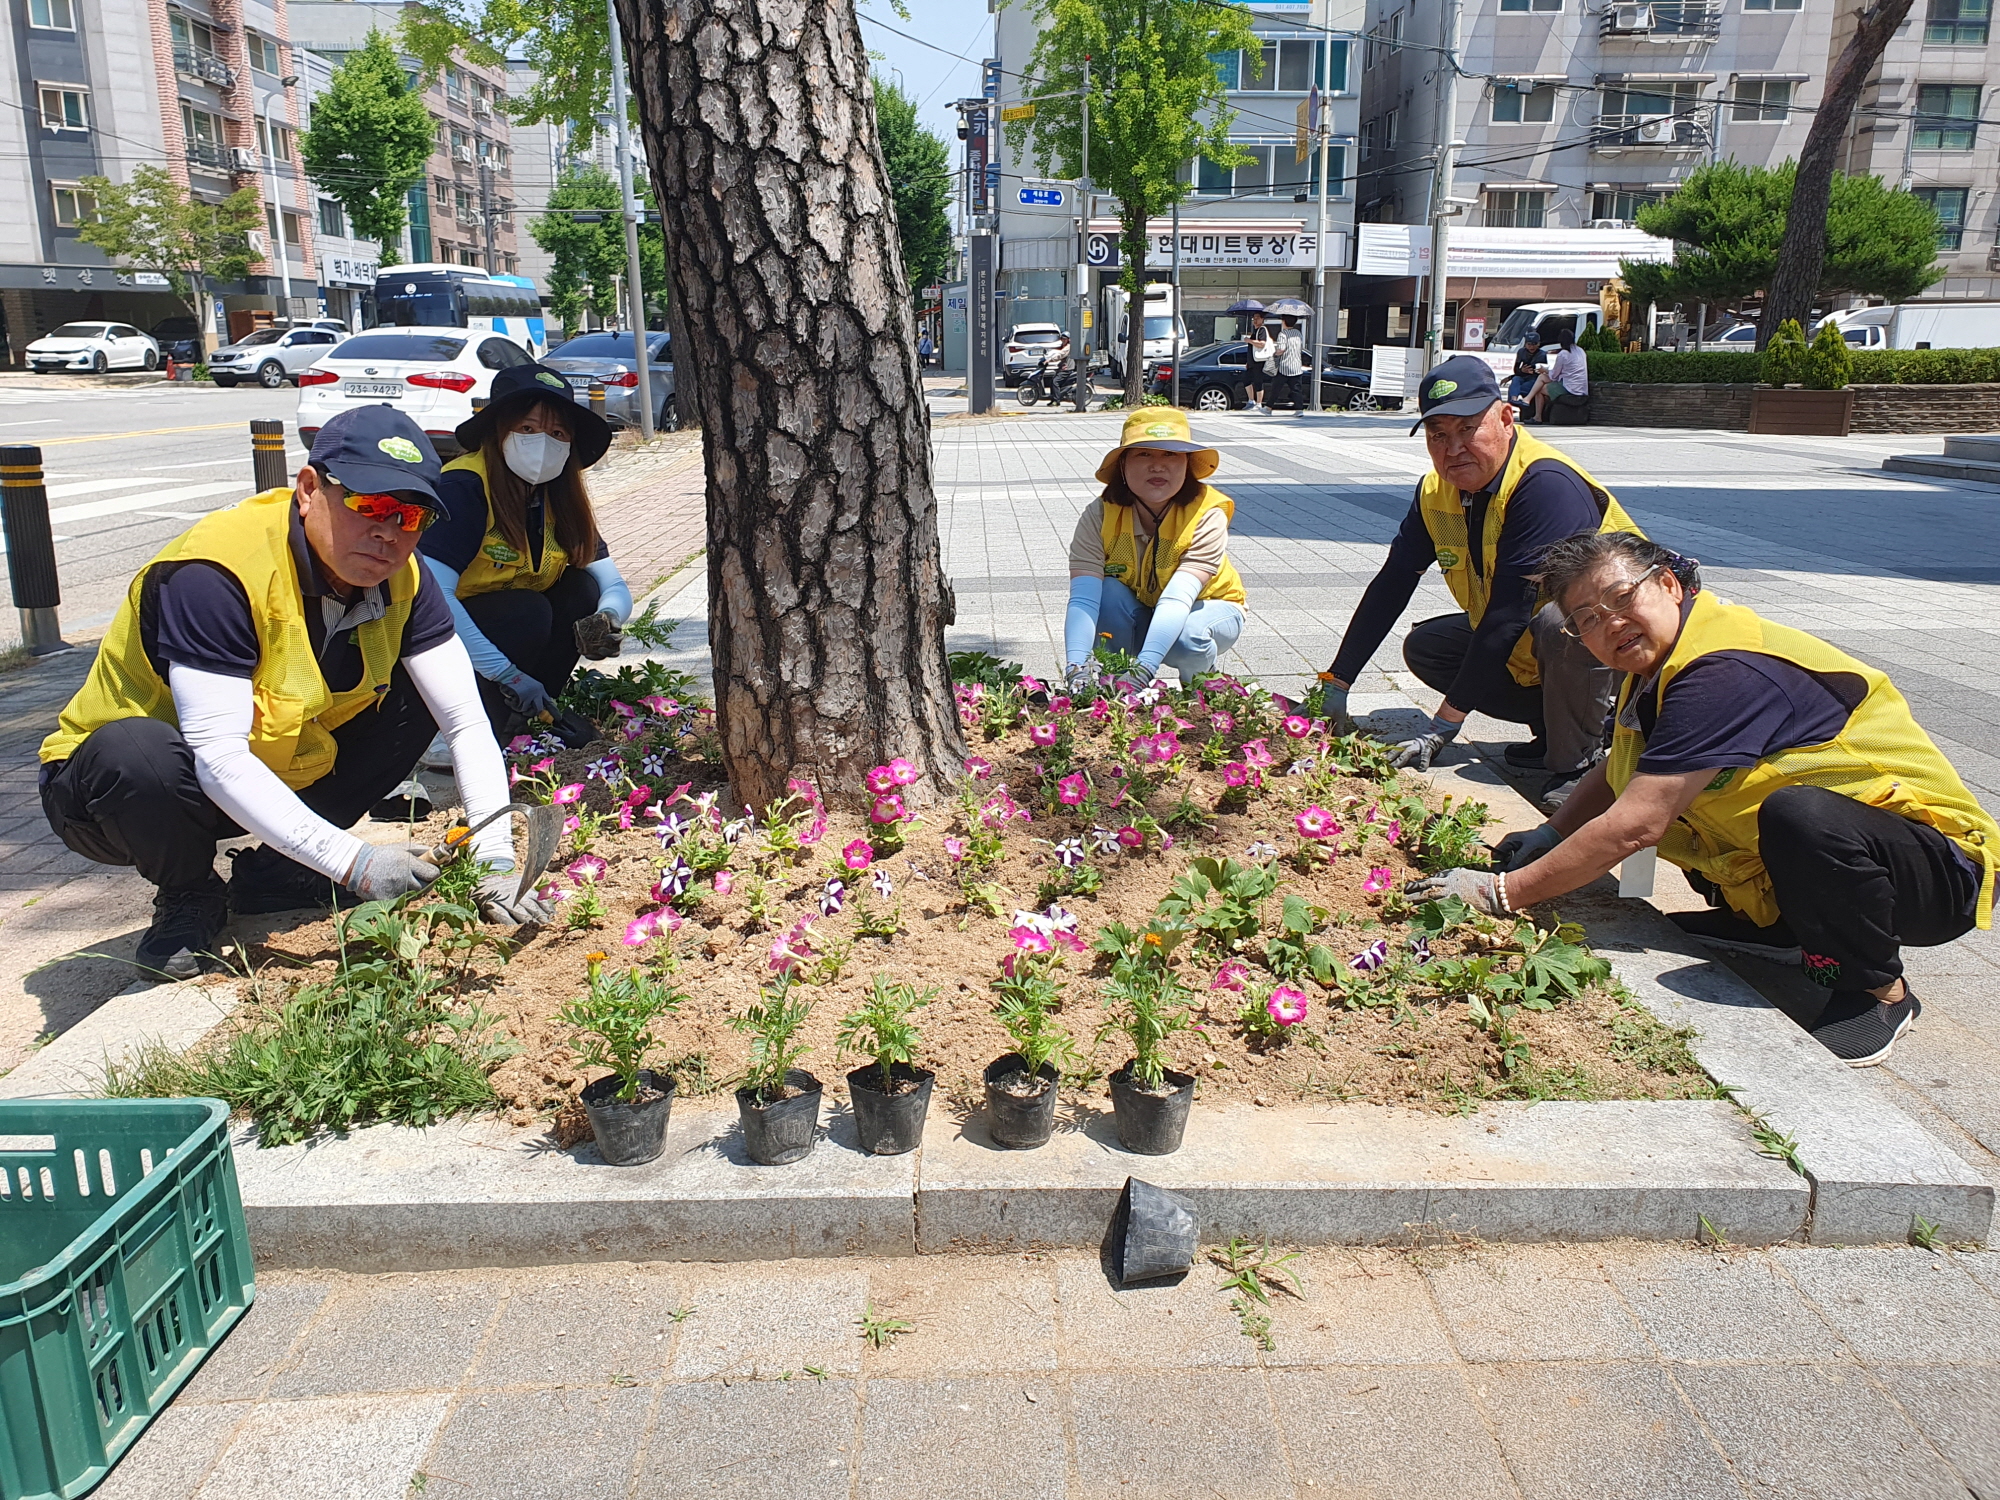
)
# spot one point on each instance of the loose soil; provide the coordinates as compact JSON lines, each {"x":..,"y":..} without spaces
{"x":1421,"y":1051}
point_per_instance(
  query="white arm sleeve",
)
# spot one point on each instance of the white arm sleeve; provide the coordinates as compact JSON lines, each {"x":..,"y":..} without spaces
{"x":216,"y":713}
{"x":488,"y":660}
{"x":443,"y":679}
{"x":613,"y":593}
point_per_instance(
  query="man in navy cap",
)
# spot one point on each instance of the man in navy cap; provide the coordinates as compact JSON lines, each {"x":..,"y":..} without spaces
{"x":1496,"y":498}
{"x":276,"y":670}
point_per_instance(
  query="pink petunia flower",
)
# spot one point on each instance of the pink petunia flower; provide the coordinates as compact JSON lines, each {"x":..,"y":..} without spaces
{"x":641,"y":930}
{"x":1297,"y":726}
{"x":1061,"y":706}
{"x":1100,"y":710}
{"x":1380,"y":878}
{"x":978,"y":767}
{"x":879,"y":780}
{"x":1258,"y":753}
{"x":637,"y":795}
{"x":1236,"y":774}
{"x":1223,"y":722}
{"x":792,"y":947}
{"x":1042,"y":735}
{"x":1073,"y":790}
{"x":954,"y":849}
{"x":1163,"y":748}
{"x":903,"y":772}
{"x":1287,"y":1006}
{"x":542,"y":767}
{"x":725,"y":882}
{"x":1028,"y":940}
{"x":1131,"y":838}
{"x":858,"y":855}
{"x":563,"y":796}
{"x":666,"y":919}
{"x":887,"y":809}
{"x":1231,"y":976}
{"x":1394,"y":831}
{"x":1316,"y":823}
{"x":585,"y":867}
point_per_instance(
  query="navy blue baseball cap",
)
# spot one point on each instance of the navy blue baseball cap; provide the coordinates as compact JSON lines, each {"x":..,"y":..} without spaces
{"x":376,"y":450}
{"x":1462,"y":386}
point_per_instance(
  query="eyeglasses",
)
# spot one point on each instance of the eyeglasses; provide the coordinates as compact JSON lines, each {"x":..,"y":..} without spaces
{"x":1579,"y":623}
{"x":417,"y":518}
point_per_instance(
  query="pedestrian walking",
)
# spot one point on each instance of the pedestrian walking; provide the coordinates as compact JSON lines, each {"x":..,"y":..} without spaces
{"x":1496,"y":499}
{"x":1786,"y":777}
{"x":925,"y":351}
{"x":1291,"y":364}
{"x":1261,"y":369}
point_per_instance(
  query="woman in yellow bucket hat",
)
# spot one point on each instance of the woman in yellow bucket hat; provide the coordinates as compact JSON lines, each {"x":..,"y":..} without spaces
{"x":1149,"y":571}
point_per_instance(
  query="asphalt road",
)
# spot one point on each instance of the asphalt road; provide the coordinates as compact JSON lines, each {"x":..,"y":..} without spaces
{"x":127,"y":469}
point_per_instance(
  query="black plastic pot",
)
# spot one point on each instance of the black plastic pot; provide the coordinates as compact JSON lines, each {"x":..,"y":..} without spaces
{"x":775,"y":1134}
{"x":1151,"y":1124}
{"x":1013,"y":1120}
{"x":890,"y":1124}
{"x":1154,"y":1233}
{"x":629,"y":1135}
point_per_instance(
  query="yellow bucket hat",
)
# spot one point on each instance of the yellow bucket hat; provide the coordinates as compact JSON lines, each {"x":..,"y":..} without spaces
{"x":1163,"y":427}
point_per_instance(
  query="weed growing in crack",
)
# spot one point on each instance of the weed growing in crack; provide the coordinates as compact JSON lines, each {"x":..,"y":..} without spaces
{"x":879,"y":1330}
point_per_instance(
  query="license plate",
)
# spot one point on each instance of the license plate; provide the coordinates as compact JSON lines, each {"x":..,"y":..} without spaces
{"x":372,"y":388}
{"x":581,"y":382}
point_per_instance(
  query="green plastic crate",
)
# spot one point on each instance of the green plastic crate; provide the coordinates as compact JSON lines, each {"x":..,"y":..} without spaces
{"x":123,"y":1261}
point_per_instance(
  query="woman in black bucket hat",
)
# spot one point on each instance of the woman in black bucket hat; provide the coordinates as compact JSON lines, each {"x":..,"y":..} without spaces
{"x":531,"y":583}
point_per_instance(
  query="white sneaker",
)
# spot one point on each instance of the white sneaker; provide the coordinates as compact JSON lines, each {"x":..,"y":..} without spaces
{"x":436,"y":756}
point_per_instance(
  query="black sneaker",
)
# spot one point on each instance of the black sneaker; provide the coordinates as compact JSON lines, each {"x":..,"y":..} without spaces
{"x":1557,"y":789}
{"x":184,"y":922}
{"x":1728,"y":929}
{"x":262,"y":880}
{"x":1867,"y":1039}
{"x":1531,"y":755}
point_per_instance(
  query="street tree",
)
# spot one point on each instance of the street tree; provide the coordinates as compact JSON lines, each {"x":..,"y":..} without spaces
{"x":1156,"y":101}
{"x":920,"y":177}
{"x":152,"y":223}
{"x":588,"y":259}
{"x":368,"y":142}
{"x":1804,"y":249}
{"x":827,"y":598}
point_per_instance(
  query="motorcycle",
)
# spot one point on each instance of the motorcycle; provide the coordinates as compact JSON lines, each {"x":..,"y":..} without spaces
{"x":1056,"y":385}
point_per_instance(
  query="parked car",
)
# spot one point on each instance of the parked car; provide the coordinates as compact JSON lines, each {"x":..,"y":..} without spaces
{"x":179,"y":340}
{"x":1026,"y":344}
{"x":94,"y":347}
{"x":271,"y":356}
{"x":1213,"y":378}
{"x":611,"y":358}
{"x":433,"y":375}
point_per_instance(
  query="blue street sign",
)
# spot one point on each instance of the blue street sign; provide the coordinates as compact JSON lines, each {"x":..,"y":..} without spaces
{"x":1048,"y":197}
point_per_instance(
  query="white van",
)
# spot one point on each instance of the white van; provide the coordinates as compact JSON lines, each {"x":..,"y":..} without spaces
{"x":1919,"y":325}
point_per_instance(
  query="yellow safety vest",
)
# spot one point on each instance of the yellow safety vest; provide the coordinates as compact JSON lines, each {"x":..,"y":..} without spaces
{"x":295,"y":712}
{"x":1444,"y":513}
{"x":1881,"y":758}
{"x":498,"y":565}
{"x":1148,"y":573}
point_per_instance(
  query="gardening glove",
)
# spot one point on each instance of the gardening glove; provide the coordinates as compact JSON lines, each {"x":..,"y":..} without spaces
{"x":528,"y":693}
{"x":1518,"y":849}
{"x":1418,"y":753}
{"x":497,"y":902}
{"x":1080,"y":679}
{"x":1478,"y":889}
{"x":1333,"y":707}
{"x":599,"y":636}
{"x":382,"y":872}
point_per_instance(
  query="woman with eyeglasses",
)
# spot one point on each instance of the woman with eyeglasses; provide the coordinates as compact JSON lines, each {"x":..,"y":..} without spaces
{"x":1787,"y":778}
{"x":531,"y":581}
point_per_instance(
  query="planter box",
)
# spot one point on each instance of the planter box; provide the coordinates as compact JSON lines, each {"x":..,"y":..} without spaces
{"x":1801,"y":413}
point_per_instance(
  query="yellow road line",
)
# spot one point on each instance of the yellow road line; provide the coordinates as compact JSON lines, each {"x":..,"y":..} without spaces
{"x":105,"y":437}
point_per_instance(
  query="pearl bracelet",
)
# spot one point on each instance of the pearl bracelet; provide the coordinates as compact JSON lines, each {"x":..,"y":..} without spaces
{"x":1500,"y":891}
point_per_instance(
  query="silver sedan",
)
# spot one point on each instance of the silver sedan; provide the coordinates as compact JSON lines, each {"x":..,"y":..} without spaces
{"x":611,"y":359}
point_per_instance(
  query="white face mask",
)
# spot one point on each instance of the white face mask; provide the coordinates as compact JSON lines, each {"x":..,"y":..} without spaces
{"x":535,"y":456}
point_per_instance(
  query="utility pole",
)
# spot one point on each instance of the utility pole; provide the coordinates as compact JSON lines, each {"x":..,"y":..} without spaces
{"x":629,"y":211}
{"x":487,"y":211}
{"x":277,"y":205}
{"x":1174,"y":326}
{"x":1441,"y":180}
{"x":1080,"y":340}
{"x":1319,"y":111}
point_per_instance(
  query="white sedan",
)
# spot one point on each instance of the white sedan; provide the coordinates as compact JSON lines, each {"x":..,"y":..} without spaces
{"x":431,"y":375}
{"x":95,"y":347}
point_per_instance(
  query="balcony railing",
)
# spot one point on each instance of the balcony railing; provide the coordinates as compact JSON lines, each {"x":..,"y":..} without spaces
{"x":214,"y":158}
{"x":1648,"y":133}
{"x":1664,"y":18}
{"x":206,"y":66}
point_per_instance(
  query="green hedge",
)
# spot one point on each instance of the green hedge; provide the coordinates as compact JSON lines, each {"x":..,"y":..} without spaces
{"x":1871,"y":367}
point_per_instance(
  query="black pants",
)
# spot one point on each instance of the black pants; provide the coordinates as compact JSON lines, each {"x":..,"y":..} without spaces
{"x":536,"y":632}
{"x":129,"y":796}
{"x":1568,"y":705}
{"x":1857,"y":883}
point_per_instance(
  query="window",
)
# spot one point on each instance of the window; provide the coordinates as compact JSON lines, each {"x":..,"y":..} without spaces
{"x":443,"y":187}
{"x":1522,"y":5}
{"x":1957,"y":23}
{"x":443,"y":133}
{"x":64,"y":109}
{"x":331,"y":219}
{"x":201,"y":127}
{"x":1950,"y":205}
{"x":1621,"y":203}
{"x":1389,"y":130}
{"x":75,"y":206}
{"x":1654,"y":101}
{"x":1272,"y":170}
{"x":1367,"y":139}
{"x":1228,"y":68}
{"x":1767,"y":99}
{"x":502,"y":354}
{"x":264,"y":54}
{"x":1512,"y":107}
{"x":1516,"y":210}
{"x":420,"y":224}
{"x":1292,"y":67}
{"x":294,"y":235}
{"x":1774,"y":4}
{"x":274,"y":141}
{"x":51,"y":15}
{"x":1940,"y":109}
{"x":468,"y":257}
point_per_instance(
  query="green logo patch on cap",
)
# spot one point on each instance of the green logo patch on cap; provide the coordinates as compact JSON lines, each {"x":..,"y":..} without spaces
{"x":556,"y":382}
{"x":1442,"y":388}
{"x":401,"y":449}
{"x":1160,"y":429}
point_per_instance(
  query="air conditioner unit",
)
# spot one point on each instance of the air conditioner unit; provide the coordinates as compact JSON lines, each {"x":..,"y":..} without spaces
{"x":1630,"y":18}
{"x":481,"y":108}
{"x":260,"y":242}
{"x":1609,"y":224}
{"x":462,"y":154}
{"x":1656,"y":130}
{"x":242,"y":159}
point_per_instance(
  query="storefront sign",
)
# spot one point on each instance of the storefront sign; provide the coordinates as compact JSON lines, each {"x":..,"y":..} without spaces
{"x":1289,"y":249}
{"x":344,"y":270}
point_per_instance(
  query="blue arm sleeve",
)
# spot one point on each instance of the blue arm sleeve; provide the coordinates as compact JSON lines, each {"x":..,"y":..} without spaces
{"x":1170,"y":617}
{"x":613,"y":593}
{"x":488,"y":660}
{"x":1086,"y":595}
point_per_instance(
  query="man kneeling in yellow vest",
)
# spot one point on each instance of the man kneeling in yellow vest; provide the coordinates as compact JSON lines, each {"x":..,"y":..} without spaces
{"x":1788,"y":779}
{"x":276,"y":670}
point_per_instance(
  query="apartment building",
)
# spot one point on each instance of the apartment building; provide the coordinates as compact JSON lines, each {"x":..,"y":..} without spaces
{"x":1245,"y":232}
{"x":463,"y":213}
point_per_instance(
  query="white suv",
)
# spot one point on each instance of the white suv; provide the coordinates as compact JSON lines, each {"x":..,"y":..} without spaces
{"x":1027,"y":344}
{"x":271,"y":356}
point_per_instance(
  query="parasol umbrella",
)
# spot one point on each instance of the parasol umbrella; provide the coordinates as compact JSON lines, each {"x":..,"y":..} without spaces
{"x":1290,"y":307}
{"x":1247,"y":305}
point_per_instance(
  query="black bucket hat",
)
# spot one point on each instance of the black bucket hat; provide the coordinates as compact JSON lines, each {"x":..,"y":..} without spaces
{"x":519,"y":386}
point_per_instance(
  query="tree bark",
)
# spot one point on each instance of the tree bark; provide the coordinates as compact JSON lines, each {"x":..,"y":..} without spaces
{"x":1133,"y":232}
{"x":1802,"y":255}
{"x":827,"y":601}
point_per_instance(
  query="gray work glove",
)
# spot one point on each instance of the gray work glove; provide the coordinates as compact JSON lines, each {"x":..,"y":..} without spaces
{"x":1332,"y":707}
{"x":1418,"y":753}
{"x":532,"y":697}
{"x":600,"y":636}
{"x":497,"y":902}
{"x":1080,"y":679}
{"x":1518,"y":849}
{"x":1478,"y":889}
{"x":385,"y":871}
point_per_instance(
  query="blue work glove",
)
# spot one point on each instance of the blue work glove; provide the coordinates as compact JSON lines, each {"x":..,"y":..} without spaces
{"x":1086,"y":597}
{"x":1170,"y":617}
{"x":528,"y":692}
{"x":1332,"y":707}
{"x":1417,"y":754}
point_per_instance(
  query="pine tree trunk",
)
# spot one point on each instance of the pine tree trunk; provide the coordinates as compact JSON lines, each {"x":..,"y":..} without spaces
{"x":1802,"y":255}
{"x":1133,"y":232}
{"x":827,"y":601}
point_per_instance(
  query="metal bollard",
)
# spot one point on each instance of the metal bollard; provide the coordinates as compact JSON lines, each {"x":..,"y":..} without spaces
{"x":31,"y":548}
{"x":267,"y":455}
{"x":597,"y":398}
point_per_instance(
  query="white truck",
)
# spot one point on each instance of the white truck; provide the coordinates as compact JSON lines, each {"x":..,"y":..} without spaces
{"x":1919,"y":325}
{"x":1548,"y":319}
{"x":1165,"y":333}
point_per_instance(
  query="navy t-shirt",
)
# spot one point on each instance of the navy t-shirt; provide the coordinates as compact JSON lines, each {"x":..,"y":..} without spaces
{"x":455,"y":540}
{"x":1734,"y":708}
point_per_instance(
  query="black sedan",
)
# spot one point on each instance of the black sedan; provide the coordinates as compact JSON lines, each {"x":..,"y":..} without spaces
{"x":1213,"y":378}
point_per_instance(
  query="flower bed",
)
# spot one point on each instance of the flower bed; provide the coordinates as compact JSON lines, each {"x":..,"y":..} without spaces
{"x":1207,"y":879}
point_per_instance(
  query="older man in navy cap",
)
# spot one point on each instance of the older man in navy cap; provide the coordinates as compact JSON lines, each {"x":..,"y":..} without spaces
{"x":1496,"y":498}
{"x":276,"y":670}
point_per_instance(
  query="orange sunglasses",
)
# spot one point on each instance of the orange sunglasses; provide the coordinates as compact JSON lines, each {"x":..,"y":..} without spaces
{"x":416,"y":518}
